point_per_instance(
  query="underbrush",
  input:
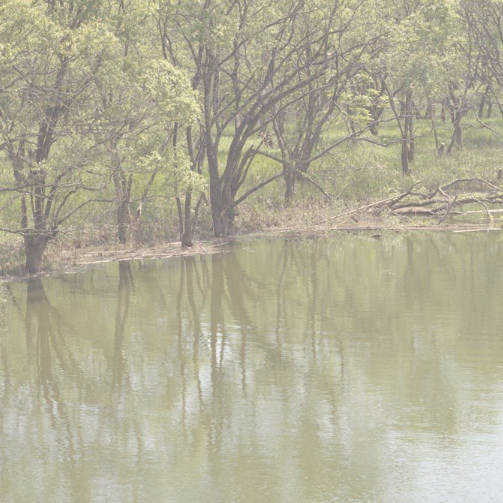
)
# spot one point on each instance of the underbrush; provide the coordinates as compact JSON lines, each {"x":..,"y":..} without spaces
{"x":11,"y":257}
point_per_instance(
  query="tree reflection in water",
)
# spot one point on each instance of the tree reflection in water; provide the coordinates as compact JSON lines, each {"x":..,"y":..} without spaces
{"x":282,"y":369}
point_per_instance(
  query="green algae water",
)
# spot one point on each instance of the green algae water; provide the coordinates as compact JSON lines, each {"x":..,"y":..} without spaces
{"x":344,"y":369}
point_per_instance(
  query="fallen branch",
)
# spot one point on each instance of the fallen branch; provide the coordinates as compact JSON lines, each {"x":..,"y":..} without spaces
{"x":383,"y":202}
{"x":438,"y":203}
{"x":470,"y":180}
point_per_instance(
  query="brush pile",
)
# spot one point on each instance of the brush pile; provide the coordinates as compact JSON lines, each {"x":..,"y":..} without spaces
{"x":461,"y":197}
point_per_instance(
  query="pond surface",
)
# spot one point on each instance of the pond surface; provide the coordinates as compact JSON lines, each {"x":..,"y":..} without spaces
{"x":347,"y":369}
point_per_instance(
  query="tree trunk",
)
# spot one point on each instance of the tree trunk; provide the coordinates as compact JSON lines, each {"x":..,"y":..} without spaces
{"x":489,"y":108}
{"x":410,"y":137}
{"x":405,"y":156}
{"x":409,"y":128}
{"x":34,"y":246}
{"x":406,"y":112}
{"x":123,"y":221}
{"x":221,"y":197}
{"x":483,"y":102}
{"x":411,"y":148}
{"x":289,"y":175}
{"x":222,"y":212}
{"x":428,"y":114}
{"x":122,"y":186}
{"x":457,"y":135}
{"x":187,"y":233}
{"x":458,"y":132}
{"x":187,"y":238}
{"x":223,"y":222}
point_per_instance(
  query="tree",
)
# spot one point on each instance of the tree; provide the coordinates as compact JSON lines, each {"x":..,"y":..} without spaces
{"x":301,"y":123}
{"x":484,"y":21}
{"x":241,"y":55}
{"x":137,"y":117}
{"x":417,"y":46}
{"x":462,"y":72}
{"x":50,"y":54}
{"x":136,"y":126}
{"x":177,"y":45}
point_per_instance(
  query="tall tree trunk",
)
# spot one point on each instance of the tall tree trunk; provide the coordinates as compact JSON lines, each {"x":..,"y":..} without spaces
{"x":405,"y":156}
{"x":222,"y":211}
{"x":34,"y":246}
{"x":439,"y":147}
{"x":409,"y":127}
{"x":458,"y":131}
{"x":457,"y":135}
{"x":290,"y":177}
{"x":489,"y":108}
{"x":428,"y":114}
{"x":187,"y":235}
{"x":123,"y":200}
{"x":123,"y":221}
{"x":223,"y":220}
{"x":405,"y":111}
{"x":401,"y":118}
{"x":483,"y":102}
{"x":185,"y":220}
{"x":221,"y":197}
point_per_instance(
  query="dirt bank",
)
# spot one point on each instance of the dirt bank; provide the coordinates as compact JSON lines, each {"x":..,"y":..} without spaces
{"x":71,"y":260}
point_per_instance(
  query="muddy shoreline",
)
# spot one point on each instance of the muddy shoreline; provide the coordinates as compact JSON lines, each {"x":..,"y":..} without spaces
{"x":76,"y":260}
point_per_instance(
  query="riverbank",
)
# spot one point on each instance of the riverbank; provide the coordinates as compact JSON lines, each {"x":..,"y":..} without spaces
{"x":62,"y":258}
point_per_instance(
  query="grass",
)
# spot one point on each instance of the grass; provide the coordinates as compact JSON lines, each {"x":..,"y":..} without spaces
{"x":359,"y":171}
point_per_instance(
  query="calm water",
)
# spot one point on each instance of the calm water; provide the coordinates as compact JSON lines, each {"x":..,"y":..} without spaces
{"x":348,"y":369}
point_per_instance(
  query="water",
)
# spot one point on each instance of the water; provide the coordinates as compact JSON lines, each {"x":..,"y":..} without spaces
{"x":348,"y":369}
